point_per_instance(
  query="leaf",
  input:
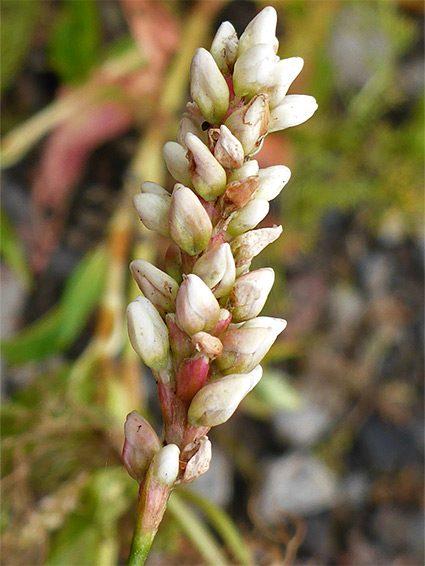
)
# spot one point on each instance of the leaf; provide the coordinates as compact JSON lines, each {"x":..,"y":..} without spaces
{"x":58,"y":328}
{"x":36,"y":341}
{"x":11,"y":250}
{"x":75,"y":40}
{"x":76,"y":543}
{"x":223,"y":525}
{"x":81,"y":294}
{"x":18,"y":20}
{"x":194,"y":528}
{"x":273,"y":393}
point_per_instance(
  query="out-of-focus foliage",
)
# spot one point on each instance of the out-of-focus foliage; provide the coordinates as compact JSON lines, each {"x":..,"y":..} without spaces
{"x":75,"y":40}
{"x":18,"y":20}
{"x":11,"y":250}
{"x":56,"y":330}
{"x":365,"y":145}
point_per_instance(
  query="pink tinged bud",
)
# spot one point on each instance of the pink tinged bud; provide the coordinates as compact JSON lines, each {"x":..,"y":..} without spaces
{"x":248,"y":169}
{"x":157,"y":286}
{"x":271,"y":181}
{"x":261,"y":29}
{"x":254,"y":70}
{"x":148,"y":333}
{"x":154,"y":188}
{"x":250,"y":293}
{"x":223,"y":323}
{"x":181,"y":344}
{"x":248,"y":245}
{"x":196,"y":307}
{"x":165,"y":465}
{"x":191,"y":377}
{"x":294,"y":110}
{"x":248,"y":217}
{"x":207,"y":345}
{"x":216,"y":268}
{"x":215,"y":403}
{"x":250,"y":122}
{"x":246,"y":346}
{"x":189,"y":223}
{"x":153,"y":211}
{"x":140,"y":445}
{"x":286,"y":71}
{"x":228,"y":150}
{"x":208,"y":87}
{"x":224,"y":47}
{"x":177,"y":163}
{"x":208,"y":176}
{"x":199,"y":463}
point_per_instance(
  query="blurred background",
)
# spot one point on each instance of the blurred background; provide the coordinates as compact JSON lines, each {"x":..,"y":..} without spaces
{"x":323,"y":462}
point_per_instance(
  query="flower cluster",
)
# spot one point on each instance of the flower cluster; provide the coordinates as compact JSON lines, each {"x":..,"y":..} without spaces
{"x":197,"y":325}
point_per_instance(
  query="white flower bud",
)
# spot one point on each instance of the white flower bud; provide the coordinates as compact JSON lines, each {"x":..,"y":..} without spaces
{"x":228,"y":150}
{"x":217,"y":269}
{"x":254,"y":70}
{"x":208,"y":87}
{"x":208,"y":176}
{"x":189,"y":224}
{"x":148,"y":333}
{"x":250,"y":122}
{"x":248,"y":245}
{"x":177,"y":162}
{"x":215,"y":403}
{"x":187,"y":125}
{"x":246,"y":346}
{"x":154,"y":189}
{"x":224,"y":47}
{"x":271,"y":181}
{"x":157,"y":286}
{"x":250,"y":292}
{"x":140,"y":445}
{"x":248,"y":169}
{"x":286,"y":71}
{"x":248,"y":217}
{"x":165,"y":465}
{"x":196,"y":307}
{"x":261,"y":29}
{"x":153,"y":211}
{"x":294,"y":110}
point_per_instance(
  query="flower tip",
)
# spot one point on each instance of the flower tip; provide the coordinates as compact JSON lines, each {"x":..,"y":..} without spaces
{"x":165,"y":465}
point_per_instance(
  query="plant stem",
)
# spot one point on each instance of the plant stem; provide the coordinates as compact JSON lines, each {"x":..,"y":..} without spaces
{"x":151,"y":509}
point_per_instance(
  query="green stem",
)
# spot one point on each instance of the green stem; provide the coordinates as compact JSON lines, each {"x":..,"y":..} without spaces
{"x":152,"y":505}
{"x":140,"y":547}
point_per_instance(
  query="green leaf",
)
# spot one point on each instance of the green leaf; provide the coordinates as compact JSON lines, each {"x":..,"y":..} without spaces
{"x":18,"y":19}
{"x":273,"y":393}
{"x":12,"y":252}
{"x":223,"y":524}
{"x":36,"y":341}
{"x":76,"y":543}
{"x":81,"y":294}
{"x":75,"y":40}
{"x":194,"y":528}
{"x":56,"y":330}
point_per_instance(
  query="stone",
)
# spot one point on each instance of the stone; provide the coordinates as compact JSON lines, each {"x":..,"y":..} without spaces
{"x":303,"y":426}
{"x":299,"y":483}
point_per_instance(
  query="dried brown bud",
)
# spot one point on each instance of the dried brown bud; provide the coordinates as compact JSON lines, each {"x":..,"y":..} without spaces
{"x":238,"y":194}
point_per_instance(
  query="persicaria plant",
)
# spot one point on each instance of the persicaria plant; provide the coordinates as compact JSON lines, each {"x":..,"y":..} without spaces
{"x":197,"y":325}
